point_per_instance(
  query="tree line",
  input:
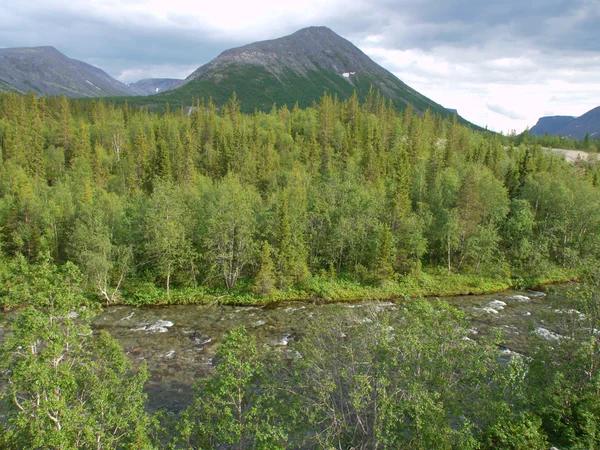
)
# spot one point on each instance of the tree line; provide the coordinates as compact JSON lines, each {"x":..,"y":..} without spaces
{"x":210,"y":197}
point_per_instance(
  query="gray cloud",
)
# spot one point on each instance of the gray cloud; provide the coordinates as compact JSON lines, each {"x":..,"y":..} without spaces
{"x":113,"y":45}
{"x":499,"y":109}
{"x":543,"y":24}
{"x":504,"y":28}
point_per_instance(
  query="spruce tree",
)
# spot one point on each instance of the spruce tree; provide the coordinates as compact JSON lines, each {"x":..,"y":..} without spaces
{"x":264,"y":283}
{"x":384,"y":270}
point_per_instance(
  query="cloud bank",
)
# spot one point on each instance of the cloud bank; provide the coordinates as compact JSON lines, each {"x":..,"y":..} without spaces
{"x":501,"y":64}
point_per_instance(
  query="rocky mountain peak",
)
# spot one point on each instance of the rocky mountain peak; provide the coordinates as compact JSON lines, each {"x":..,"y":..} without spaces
{"x":307,"y":49}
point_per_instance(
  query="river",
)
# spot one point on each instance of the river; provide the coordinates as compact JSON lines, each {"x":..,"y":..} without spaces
{"x":179,"y":342}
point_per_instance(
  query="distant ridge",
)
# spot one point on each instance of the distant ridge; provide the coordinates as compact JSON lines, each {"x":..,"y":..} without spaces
{"x":46,"y":71}
{"x":550,"y":124}
{"x":151,"y":86}
{"x":571,"y":127}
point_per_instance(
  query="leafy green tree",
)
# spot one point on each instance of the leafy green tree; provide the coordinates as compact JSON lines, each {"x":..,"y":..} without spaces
{"x":411,"y":244}
{"x":24,"y":217}
{"x":234,"y":408}
{"x":565,"y":372}
{"x":365,"y":384}
{"x":231,"y":234}
{"x":103,"y":263}
{"x":63,"y":387}
{"x":291,"y":256}
{"x":517,"y":232}
{"x":482,"y":204}
{"x":167,"y":245}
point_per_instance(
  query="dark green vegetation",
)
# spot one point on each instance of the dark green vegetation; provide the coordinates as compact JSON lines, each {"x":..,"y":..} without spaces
{"x":257,"y":88}
{"x":347,"y":383}
{"x":354,"y":201}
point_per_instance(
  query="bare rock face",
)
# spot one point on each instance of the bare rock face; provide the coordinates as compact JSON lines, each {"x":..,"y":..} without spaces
{"x":308,"y":49}
{"x":46,"y":71}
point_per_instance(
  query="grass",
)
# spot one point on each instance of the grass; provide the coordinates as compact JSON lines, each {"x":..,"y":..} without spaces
{"x":430,"y":283}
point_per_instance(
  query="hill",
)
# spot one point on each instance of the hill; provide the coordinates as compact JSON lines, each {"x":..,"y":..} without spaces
{"x":46,"y":71}
{"x":295,"y":68}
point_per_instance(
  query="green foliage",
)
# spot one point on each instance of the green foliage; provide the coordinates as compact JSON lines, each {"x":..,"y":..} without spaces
{"x":566,"y":371}
{"x":63,"y":387}
{"x":234,"y":407}
{"x":42,"y":285}
{"x":265,"y":279}
{"x":167,"y":245}
{"x":230,"y":235}
{"x":522,"y":433}
{"x":183,"y":200}
{"x":364,"y":384}
{"x":384,"y":270}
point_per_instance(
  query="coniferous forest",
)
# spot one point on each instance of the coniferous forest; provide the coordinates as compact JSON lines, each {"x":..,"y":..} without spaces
{"x":104,"y":204}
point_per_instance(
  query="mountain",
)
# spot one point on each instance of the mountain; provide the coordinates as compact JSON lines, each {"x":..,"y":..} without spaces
{"x":589,"y":124}
{"x":550,"y":125}
{"x":571,"y":127}
{"x":295,"y":68}
{"x":45,"y":70}
{"x":151,"y":86}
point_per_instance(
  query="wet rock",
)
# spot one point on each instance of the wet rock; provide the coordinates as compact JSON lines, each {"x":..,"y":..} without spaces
{"x":537,"y":294}
{"x":497,"y":305}
{"x":128,"y":317}
{"x":547,"y":334}
{"x":579,"y":315}
{"x":488,"y":310}
{"x":508,"y":352}
{"x":283,"y":341}
{"x":291,"y":309}
{"x":200,"y":339}
{"x":161,"y":326}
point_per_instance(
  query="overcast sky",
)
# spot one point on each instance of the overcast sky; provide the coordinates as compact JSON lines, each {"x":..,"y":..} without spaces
{"x":500,"y":63}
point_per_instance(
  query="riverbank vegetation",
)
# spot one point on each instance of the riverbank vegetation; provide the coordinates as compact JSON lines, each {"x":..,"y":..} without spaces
{"x":350,"y":382}
{"x":334,"y":202}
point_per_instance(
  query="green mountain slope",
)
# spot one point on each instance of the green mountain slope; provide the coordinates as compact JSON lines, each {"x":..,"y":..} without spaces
{"x":296,"y":68}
